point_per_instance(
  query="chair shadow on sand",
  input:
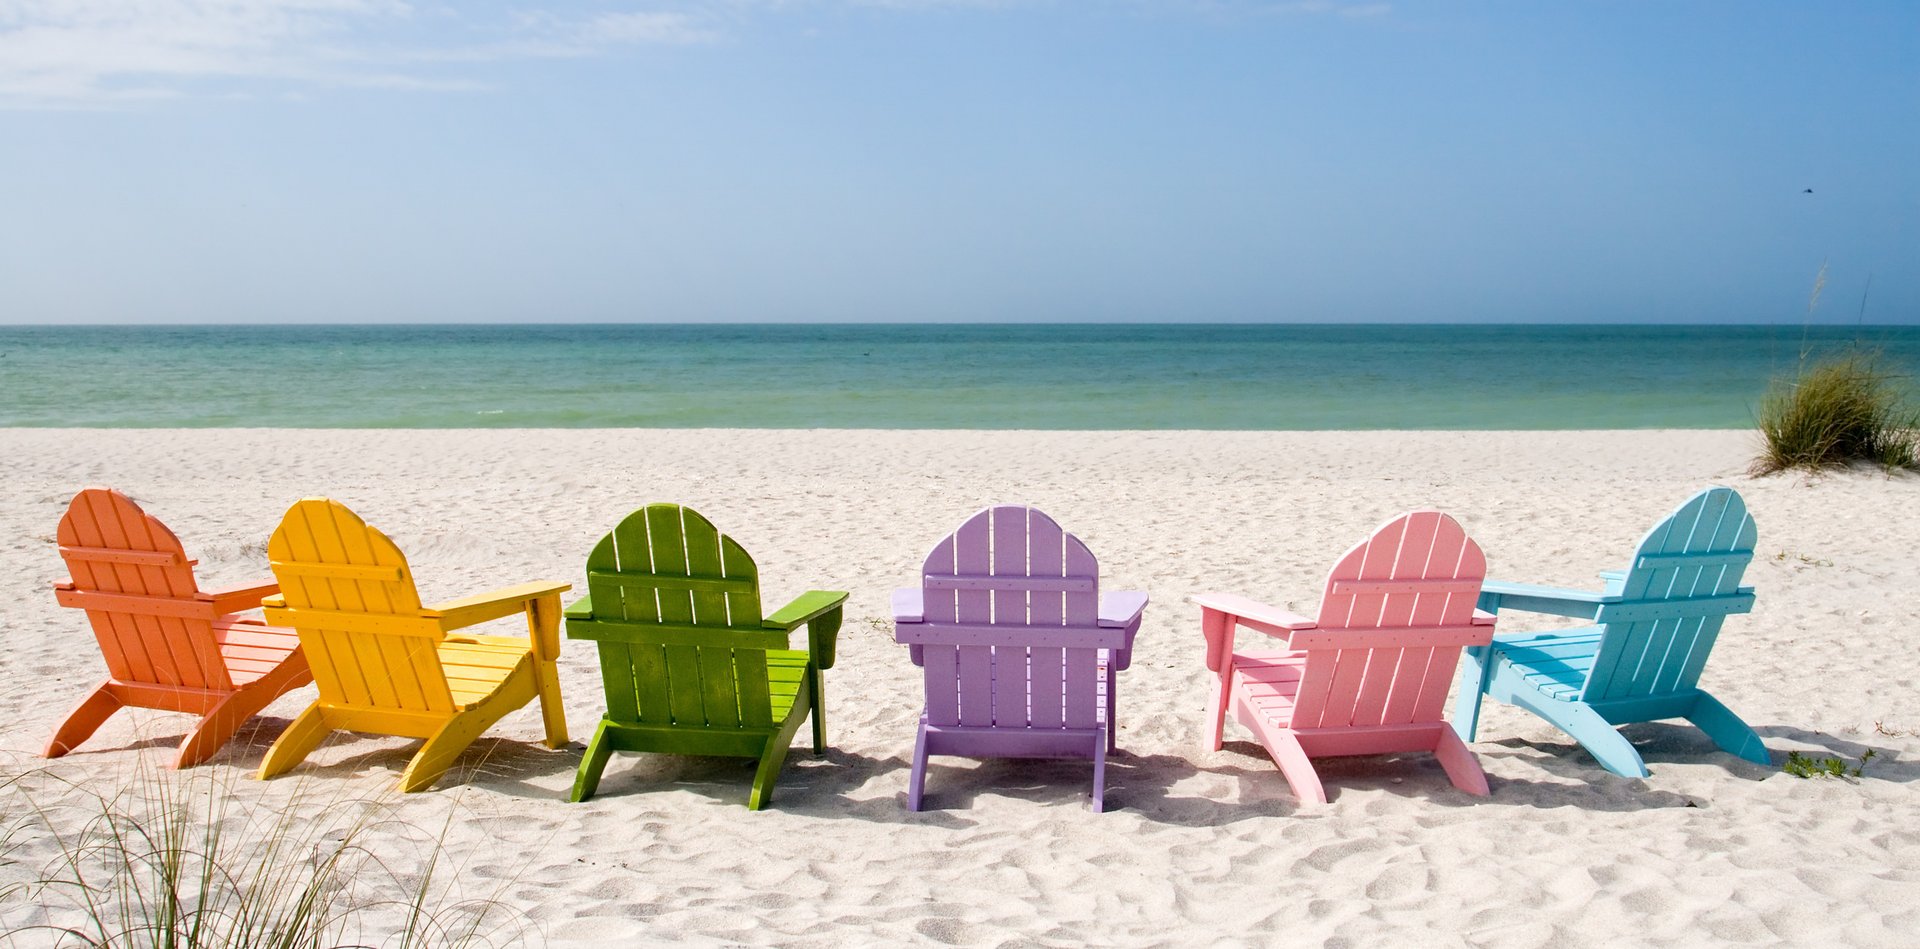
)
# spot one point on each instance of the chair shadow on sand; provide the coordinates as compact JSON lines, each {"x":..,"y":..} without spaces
{"x":843,"y":784}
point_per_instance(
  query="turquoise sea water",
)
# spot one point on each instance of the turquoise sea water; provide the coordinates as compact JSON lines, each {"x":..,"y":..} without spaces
{"x":910,"y":376}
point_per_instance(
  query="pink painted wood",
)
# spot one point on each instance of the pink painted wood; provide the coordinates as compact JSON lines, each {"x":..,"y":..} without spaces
{"x":1017,"y":646}
{"x":1368,"y":675}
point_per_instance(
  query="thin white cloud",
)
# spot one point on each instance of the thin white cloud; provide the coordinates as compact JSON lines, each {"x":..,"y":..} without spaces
{"x":108,"y":53}
{"x":95,"y":53}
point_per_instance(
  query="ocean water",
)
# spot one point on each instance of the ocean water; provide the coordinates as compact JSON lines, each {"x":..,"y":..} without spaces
{"x":1005,"y":376}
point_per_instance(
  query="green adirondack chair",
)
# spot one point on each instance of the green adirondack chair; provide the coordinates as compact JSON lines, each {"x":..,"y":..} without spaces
{"x":690,"y":665}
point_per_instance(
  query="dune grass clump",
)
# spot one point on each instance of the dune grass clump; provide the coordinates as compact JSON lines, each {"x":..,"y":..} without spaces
{"x":1838,"y":411}
{"x":182,"y":862}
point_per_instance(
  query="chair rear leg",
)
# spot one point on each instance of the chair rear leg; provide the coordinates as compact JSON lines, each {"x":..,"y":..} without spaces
{"x":1296,"y":766}
{"x":774,"y":756}
{"x":1727,"y":730}
{"x":216,"y":727}
{"x":1463,"y":769}
{"x":917,"y":779}
{"x":1599,"y":736}
{"x":296,"y":743}
{"x":599,"y":750}
{"x":462,"y":730}
{"x":85,"y":719}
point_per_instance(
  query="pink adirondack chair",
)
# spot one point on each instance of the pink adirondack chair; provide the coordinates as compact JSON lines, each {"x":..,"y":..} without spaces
{"x":1018,"y":645}
{"x":1370,"y":675}
{"x":168,"y":644}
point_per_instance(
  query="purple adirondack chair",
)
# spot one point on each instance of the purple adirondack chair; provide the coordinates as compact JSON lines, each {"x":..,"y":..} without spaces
{"x":1018,"y":645}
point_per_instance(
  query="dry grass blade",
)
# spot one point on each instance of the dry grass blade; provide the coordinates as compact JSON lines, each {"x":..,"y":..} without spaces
{"x":180,"y":861}
{"x":1836,"y":412}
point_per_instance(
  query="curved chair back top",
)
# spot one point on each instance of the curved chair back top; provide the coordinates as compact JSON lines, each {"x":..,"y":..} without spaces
{"x":1396,"y":609}
{"x":1677,"y":591}
{"x":133,"y":578}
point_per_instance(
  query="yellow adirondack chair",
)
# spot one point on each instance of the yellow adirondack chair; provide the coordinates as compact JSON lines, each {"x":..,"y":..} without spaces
{"x":384,"y":663}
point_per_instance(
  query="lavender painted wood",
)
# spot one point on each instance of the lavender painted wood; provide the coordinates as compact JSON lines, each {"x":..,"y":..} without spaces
{"x":1370,"y":673}
{"x":1014,"y":645}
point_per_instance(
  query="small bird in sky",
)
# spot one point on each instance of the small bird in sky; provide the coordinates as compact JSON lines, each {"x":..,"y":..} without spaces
{"x":1808,"y":191}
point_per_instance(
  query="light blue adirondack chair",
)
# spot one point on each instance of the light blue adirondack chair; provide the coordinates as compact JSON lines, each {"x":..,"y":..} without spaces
{"x":1656,"y":624}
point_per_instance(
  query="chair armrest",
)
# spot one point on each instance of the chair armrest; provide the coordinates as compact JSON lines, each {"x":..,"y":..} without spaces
{"x":1484,"y":618}
{"x":481,"y":607}
{"x":66,"y":584}
{"x":804,"y":607}
{"x":1122,"y":608}
{"x":1496,"y":595}
{"x":581,"y":608}
{"x":821,"y":611}
{"x":1254,"y":614}
{"x":909,"y":605}
{"x":236,"y":598}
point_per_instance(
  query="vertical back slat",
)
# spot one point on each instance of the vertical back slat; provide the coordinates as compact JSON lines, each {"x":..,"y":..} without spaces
{"x":633,"y":551}
{"x":972,"y":554}
{"x":1010,"y":608}
{"x":940,"y":669}
{"x":1046,"y":668}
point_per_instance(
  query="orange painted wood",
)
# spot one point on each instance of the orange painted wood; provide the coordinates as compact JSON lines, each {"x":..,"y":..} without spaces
{"x":167,"y":645}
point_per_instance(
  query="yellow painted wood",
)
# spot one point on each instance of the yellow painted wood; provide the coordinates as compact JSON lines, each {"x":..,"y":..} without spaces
{"x":388,"y":662}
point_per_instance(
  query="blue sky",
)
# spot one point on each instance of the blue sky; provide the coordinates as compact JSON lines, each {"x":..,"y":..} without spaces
{"x":901,"y":160}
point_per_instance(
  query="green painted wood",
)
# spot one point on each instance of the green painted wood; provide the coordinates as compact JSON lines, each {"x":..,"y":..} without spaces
{"x":663,"y":634}
{"x":616,"y":678}
{"x":689,"y":663}
{"x":807,"y":606}
{"x":661,"y":581}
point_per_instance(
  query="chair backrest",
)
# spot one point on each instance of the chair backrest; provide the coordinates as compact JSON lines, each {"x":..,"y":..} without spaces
{"x":1682,"y":582}
{"x":676,"y":613}
{"x":1011,"y":625}
{"x":136,"y":584}
{"x":351,"y":598}
{"x":1390,"y":620}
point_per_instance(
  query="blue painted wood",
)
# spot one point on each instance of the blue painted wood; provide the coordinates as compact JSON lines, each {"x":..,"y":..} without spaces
{"x":1657,"y":620}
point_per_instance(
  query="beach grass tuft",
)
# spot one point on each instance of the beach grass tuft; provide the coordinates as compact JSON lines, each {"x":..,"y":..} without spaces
{"x":1835,"y":412}
{"x":181,"y":861}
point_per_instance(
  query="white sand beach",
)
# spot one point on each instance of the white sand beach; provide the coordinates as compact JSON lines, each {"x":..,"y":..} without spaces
{"x":1196,"y":848}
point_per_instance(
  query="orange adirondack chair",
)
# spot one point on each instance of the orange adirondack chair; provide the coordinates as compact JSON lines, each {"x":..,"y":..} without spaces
{"x":168,"y":644}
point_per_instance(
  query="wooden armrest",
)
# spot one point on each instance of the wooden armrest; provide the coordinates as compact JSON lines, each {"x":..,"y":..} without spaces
{"x":243,"y":597}
{"x":820,"y":611}
{"x":1484,"y":618}
{"x":1254,"y":614}
{"x":909,"y":605}
{"x":581,"y":608}
{"x":66,"y":584}
{"x":1122,"y":608}
{"x":1497,"y":595}
{"x":806,"y":606}
{"x":481,"y":607}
